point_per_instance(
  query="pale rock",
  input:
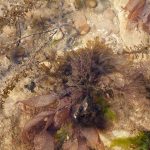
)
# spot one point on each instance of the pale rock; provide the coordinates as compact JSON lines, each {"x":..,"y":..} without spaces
{"x":58,"y":36}
{"x":45,"y":63}
{"x":120,"y":133}
{"x":108,"y":26}
{"x":9,"y":31}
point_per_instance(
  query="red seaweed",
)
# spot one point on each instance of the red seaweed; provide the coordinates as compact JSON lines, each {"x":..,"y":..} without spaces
{"x":40,"y":101}
{"x":44,"y":141}
{"x":139,"y":11}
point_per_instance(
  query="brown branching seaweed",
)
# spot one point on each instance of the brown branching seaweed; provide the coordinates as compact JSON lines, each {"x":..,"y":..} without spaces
{"x":78,"y":75}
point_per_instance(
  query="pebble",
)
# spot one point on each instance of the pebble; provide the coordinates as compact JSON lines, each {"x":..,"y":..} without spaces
{"x":91,"y":3}
{"x":1,"y":10}
{"x":46,"y":64}
{"x":80,"y":23}
{"x":120,"y":133}
{"x":109,"y":14}
{"x":58,"y":36}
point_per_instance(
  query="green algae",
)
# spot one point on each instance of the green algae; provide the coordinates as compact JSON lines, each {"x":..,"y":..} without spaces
{"x":139,"y":142}
{"x":109,"y":114}
{"x":61,"y":134}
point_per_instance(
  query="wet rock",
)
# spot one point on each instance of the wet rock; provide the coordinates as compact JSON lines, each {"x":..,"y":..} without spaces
{"x":80,"y":23}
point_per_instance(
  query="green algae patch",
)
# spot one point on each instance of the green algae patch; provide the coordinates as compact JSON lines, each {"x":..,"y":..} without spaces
{"x":61,"y":134}
{"x":139,"y":142}
{"x":109,"y":114}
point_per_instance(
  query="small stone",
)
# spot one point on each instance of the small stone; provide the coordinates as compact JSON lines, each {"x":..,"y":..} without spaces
{"x":100,"y":8}
{"x":46,"y":64}
{"x":58,"y":36}
{"x":31,"y":86}
{"x":120,"y":133}
{"x":84,"y":29}
{"x":80,"y":23}
{"x":9,"y":31}
{"x":109,"y":14}
{"x":91,"y":3}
